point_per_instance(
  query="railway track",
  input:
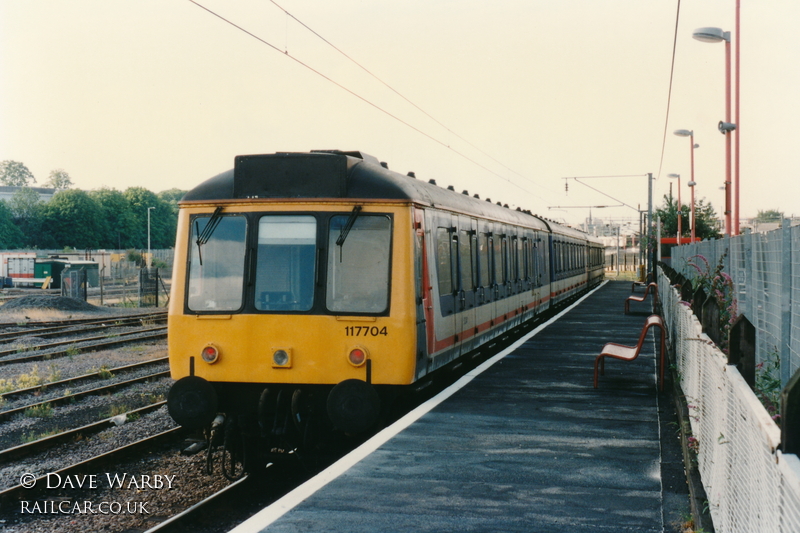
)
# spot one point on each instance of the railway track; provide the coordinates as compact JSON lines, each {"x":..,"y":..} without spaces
{"x":85,"y":327}
{"x":30,"y":448}
{"x":82,"y":378}
{"x":78,"y":321}
{"x":70,"y":398}
{"x":78,"y":346}
{"x":12,"y":494}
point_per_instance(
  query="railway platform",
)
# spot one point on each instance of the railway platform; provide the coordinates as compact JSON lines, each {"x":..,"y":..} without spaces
{"x":522,"y":444}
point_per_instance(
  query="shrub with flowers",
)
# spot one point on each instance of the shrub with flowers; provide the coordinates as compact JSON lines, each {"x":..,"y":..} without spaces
{"x":720,"y":285}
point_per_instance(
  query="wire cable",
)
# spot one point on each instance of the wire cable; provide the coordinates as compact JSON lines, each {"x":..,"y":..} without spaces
{"x":669,"y":94}
{"x":365,"y":69}
{"x":604,"y":194}
{"x":363,"y":99}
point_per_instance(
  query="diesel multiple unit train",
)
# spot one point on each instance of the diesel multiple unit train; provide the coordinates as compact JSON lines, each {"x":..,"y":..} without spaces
{"x":309,"y":289}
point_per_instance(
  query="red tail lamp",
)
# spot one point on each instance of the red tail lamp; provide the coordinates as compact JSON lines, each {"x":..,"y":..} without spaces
{"x":210,"y":354}
{"x":357,"y":356}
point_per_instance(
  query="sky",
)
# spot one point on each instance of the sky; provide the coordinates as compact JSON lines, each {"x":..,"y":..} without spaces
{"x":509,"y":96}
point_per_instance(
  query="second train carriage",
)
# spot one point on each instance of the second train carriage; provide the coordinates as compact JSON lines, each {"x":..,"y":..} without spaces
{"x":308,"y":287}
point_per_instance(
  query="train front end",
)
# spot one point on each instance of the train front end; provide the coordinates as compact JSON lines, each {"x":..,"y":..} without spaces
{"x":292,"y":310}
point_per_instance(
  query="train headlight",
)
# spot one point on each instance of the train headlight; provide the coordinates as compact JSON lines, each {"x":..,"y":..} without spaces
{"x":210,"y":354}
{"x":282,"y":358}
{"x":357,"y":356}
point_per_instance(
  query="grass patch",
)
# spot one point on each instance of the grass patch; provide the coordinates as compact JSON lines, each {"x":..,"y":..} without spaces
{"x":32,"y":436}
{"x":44,"y":410}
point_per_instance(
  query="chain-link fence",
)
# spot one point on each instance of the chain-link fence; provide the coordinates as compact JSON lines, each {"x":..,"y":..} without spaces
{"x":750,"y":484}
{"x":766,"y":279}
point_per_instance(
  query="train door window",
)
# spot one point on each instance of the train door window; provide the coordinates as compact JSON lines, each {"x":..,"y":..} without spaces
{"x":216,"y":267}
{"x":506,"y":260}
{"x":521,"y":272}
{"x":499,"y":273}
{"x":358,"y":268}
{"x":513,"y":254}
{"x":444,"y":261}
{"x":567,"y":256}
{"x":286,"y":263}
{"x":465,"y":256}
{"x":556,"y":258}
{"x":526,"y":259}
{"x":483,"y":260}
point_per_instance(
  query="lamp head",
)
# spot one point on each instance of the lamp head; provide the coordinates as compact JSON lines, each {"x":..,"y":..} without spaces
{"x":673,"y":175}
{"x":692,"y":183}
{"x":711,"y":35}
{"x":683,"y":133}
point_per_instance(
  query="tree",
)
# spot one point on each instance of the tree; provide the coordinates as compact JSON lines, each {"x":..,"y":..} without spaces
{"x":705,"y":215}
{"x":71,"y":218}
{"x":118,"y":220}
{"x":172,"y":197}
{"x":59,"y":179}
{"x":770,"y":215}
{"x":24,"y":204}
{"x":10,"y":235}
{"x":15,"y":174}
{"x":25,"y":209}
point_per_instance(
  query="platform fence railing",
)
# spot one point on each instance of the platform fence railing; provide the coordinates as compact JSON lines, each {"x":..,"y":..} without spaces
{"x":750,"y":484}
{"x":765,"y":270}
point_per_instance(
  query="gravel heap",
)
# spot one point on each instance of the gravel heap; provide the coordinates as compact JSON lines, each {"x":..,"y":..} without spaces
{"x":57,"y":303}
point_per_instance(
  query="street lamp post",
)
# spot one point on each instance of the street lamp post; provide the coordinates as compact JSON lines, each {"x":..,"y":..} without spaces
{"x":690,"y":134}
{"x":679,"y":205}
{"x":715,"y":35}
{"x":149,"y":260}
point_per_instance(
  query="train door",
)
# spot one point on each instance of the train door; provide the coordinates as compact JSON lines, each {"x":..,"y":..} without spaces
{"x":444,"y":237}
{"x":467,"y":271}
{"x":484,"y":306}
{"x":424,"y":305}
{"x":501,"y":279}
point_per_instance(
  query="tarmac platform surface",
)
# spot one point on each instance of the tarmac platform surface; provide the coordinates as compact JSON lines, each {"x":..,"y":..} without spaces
{"x":527,"y":445}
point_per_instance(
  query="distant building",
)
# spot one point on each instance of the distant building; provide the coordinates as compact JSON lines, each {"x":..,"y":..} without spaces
{"x":7,"y":192}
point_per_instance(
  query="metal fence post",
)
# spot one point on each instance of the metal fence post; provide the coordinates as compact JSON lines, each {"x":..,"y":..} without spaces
{"x":786,"y":302}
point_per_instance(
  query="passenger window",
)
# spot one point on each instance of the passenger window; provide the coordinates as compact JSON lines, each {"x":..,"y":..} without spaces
{"x":216,"y":267}
{"x":443,"y":261}
{"x":358,"y":267}
{"x":286,"y":263}
{"x":499,"y":273}
{"x":483,"y":261}
{"x":465,"y":260}
{"x":513,"y":269}
{"x":507,"y":264}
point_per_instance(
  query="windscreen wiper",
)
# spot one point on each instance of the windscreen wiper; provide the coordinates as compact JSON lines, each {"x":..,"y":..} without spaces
{"x":208,"y":230}
{"x":346,"y":229}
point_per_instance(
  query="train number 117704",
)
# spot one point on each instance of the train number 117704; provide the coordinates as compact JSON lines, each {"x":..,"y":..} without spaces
{"x":365,"y":331}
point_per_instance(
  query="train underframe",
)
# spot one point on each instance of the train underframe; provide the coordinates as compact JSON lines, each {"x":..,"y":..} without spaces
{"x":256,"y":424}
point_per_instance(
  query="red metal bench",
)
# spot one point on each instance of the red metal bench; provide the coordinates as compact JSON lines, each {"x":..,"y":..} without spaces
{"x":652,"y":287}
{"x":629,"y":353}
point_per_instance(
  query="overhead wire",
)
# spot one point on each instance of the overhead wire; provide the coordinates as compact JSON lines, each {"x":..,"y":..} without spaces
{"x":669,"y":94}
{"x":362,"y":98}
{"x":365,"y":69}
